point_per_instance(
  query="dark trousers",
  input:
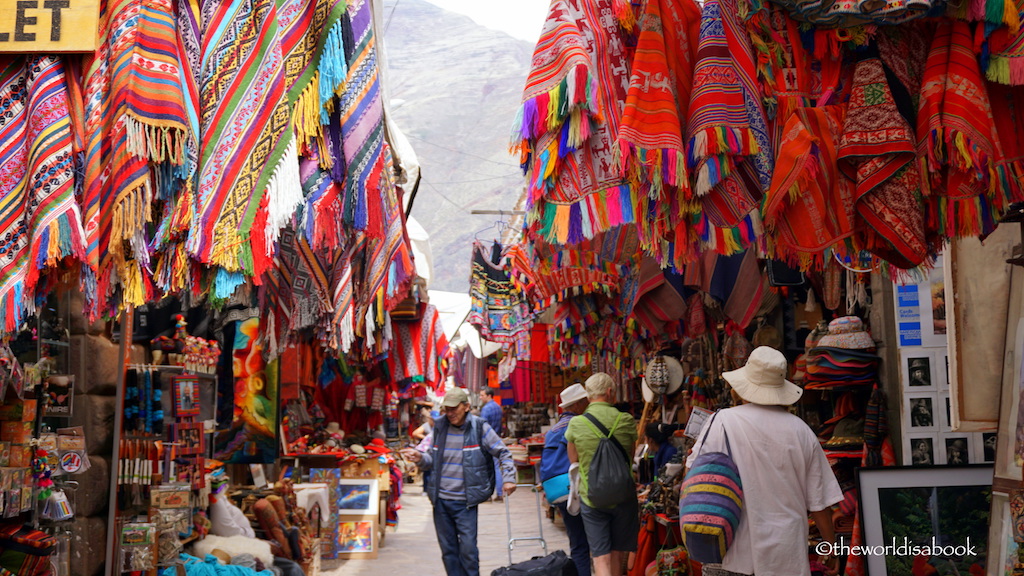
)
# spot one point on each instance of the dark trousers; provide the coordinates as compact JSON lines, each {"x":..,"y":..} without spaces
{"x":579,"y":550}
{"x":455,"y":525}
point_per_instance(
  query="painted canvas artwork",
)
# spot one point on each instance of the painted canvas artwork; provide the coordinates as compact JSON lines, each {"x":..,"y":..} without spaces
{"x":251,"y":437}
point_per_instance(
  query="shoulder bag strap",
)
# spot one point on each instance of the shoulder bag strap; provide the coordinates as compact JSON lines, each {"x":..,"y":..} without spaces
{"x":707,"y":430}
{"x":605,"y":433}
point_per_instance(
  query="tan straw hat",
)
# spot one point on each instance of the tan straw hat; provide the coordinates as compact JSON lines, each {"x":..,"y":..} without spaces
{"x":762,"y":380}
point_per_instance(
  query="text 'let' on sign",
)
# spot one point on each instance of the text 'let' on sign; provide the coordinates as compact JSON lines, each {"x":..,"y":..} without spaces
{"x":34,"y":26}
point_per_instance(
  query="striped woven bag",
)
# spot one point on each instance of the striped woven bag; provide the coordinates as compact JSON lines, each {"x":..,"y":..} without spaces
{"x":711,"y":504}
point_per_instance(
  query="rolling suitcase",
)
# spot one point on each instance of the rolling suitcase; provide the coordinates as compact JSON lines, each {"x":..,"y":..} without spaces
{"x":555,"y":564}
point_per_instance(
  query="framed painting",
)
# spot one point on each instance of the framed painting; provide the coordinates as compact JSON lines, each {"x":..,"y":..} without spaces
{"x":910,"y":513}
{"x":357,"y":538}
{"x":358,"y":496}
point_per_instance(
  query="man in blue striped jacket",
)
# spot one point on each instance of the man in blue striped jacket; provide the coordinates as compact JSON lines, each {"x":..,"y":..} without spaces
{"x":461,"y":458}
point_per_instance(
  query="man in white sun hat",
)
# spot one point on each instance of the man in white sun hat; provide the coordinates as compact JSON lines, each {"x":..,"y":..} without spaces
{"x":554,"y":467}
{"x":782,"y":467}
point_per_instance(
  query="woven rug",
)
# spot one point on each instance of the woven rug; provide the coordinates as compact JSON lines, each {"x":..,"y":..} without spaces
{"x":368,"y":176}
{"x":877,"y":151}
{"x":567,"y":125}
{"x":40,"y":216}
{"x":966,"y":184}
{"x":247,"y":148}
{"x":156,"y":120}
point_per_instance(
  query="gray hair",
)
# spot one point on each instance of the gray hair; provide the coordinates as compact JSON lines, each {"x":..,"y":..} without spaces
{"x":599,"y":384}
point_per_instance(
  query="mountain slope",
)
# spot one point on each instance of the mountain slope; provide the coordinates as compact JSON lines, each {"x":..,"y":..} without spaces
{"x":455,"y":88}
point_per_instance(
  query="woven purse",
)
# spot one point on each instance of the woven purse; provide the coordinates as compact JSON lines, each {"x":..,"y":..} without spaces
{"x":711,"y":504}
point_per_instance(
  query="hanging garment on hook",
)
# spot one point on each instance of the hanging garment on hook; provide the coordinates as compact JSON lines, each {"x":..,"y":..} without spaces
{"x":498,"y":309}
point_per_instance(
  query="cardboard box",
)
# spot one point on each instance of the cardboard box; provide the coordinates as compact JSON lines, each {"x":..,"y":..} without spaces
{"x":18,"y":411}
{"x":16,"y":432}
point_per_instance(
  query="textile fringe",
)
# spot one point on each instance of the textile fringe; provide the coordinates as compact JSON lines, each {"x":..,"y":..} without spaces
{"x":625,"y":15}
{"x":711,"y":152}
{"x":572,"y":223}
{"x":284,"y":195}
{"x":306,"y":116}
{"x":130,"y":215}
{"x":12,"y":308}
{"x":962,"y":217}
{"x":575,"y":98}
{"x":332,"y":69}
{"x":657,"y":166}
{"x":955,"y":148}
{"x":61,"y":238}
{"x":1006,"y":70}
{"x":154,"y":142}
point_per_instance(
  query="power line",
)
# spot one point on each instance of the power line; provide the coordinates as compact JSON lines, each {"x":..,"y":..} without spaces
{"x":463,"y":152}
{"x":390,"y":16}
{"x":481,"y":180}
{"x":442,"y":195}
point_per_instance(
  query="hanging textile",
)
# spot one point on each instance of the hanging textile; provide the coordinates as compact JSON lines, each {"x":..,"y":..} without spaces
{"x":966,"y":182}
{"x":497,"y":308}
{"x":248,"y":161}
{"x":419,"y":349}
{"x":650,"y":139}
{"x":877,"y":150}
{"x":41,"y":220}
{"x":810,"y":205}
{"x":565,"y":130}
{"x":313,"y":44}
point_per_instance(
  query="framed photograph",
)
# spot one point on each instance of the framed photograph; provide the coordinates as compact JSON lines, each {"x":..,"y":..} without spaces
{"x":357,"y":538}
{"x":918,"y":370}
{"x":918,"y":508}
{"x":920,"y":413}
{"x":985,"y":448}
{"x":358,"y":497}
{"x":189,"y":438}
{"x":957,"y":449}
{"x":186,"y":396}
{"x":920,"y":450}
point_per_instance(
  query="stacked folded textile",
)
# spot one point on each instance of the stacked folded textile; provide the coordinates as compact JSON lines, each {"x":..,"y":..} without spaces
{"x":833,"y":367}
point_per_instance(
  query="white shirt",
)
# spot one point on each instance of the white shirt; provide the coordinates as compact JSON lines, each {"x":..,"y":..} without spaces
{"x":785,"y":475}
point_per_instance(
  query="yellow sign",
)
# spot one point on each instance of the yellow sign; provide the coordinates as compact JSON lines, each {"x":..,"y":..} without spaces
{"x":33,"y":26}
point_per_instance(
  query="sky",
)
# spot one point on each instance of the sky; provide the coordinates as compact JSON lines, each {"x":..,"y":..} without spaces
{"x":521,"y":19}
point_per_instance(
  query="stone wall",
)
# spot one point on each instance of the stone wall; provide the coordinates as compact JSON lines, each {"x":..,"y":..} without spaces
{"x":94,"y":362}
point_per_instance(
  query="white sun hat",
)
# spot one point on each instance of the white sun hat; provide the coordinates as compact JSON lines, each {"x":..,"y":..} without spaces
{"x":762,"y":380}
{"x":572,"y":394}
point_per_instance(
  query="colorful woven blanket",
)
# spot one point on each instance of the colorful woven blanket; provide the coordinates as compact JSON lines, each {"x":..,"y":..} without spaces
{"x":567,"y":125}
{"x":719,"y":130}
{"x":38,"y":212}
{"x":1006,"y":64}
{"x":650,"y":138}
{"x":965,"y":167}
{"x":313,"y":43}
{"x":877,"y":150}
{"x":368,"y":175}
{"x":810,"y":205}
{"x":248,"y":150}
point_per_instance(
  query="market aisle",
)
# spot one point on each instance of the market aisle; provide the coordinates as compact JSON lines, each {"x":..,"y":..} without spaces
{"x":413,"y":548}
